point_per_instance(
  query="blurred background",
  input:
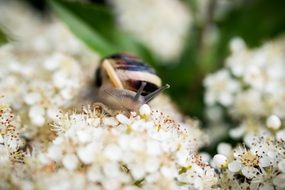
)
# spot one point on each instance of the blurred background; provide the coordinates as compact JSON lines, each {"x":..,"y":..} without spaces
{"x":184,"y":40}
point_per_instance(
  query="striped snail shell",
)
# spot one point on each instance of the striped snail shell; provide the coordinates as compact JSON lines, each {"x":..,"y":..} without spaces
{"x":125,"y":82}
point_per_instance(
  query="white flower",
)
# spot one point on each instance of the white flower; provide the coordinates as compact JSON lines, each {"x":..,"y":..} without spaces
{"x":113,"y":152}
{"x":123,"y":119}
{"x":110,"y":121}
{"x":249,"y":103}
{"x":122,"y":150}
{"x":221,"y":88}
{"x":55,"y":153}
{"x":36,"y":115}
{"x":220,"y":161}
{"x":281,"y":165}
{"x":225,"y":149}
{"x":237,"y":132}
{"x":249,"y":172}
{"x":237,"y":45}
{"x":53,"y":62}
{"x":53,"y":113}
{"x":280,"y":135}
{"x":159,"y":25}
{"x":87,"y":154}
{"x":254,"y":77}
{"x":70,"y":161}
{"x":234,"y":166}
{"x":273,"y":122}
{"x":32,"y":98}
{"x":145,"y":110}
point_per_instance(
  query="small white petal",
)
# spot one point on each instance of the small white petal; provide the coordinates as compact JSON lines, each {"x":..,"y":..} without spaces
{"x":111,"y":169}
{"x":123,"y":119}
{"x":145,"y":110}
{"x":36,"y":114}
{"x":59,"y":140}
{"x":249,"y":172}
{"x":53,"y":113}
{"x":168,"y":172}
{"x":43,"y":158}
{"x":138,"y":172}
{"x":265,"y":161}
{"x":280,"y":135}
{"x":153,"y":148}
{"x":220,"y":161}
{"x":66,"y":93}
{"x":55,"y":153}
{"x":32,"y":98}
{"x":205,"y":156}
{"x":234,"y":166}
{"x":113,"y":152}
{"x":59,"y":79}
{"x":84,"y":136}
{"x":110,"y":121}
{"x":152,"y":164}
{"x":225,"y":149}
{"x":86,"y":154}
{"x":38,"y":120}
{"x":237,"y":132}
{"x":94,"y":174}
{"x":70,"y":161}
{"x":53,"y":62}
{"x":281,"y":165}
{"x":273,"y":122}
{"x":237,"y":44}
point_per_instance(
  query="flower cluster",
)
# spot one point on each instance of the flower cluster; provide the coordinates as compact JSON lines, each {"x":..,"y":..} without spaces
{"x":260,"y":166}
{"x":12,"y":155}
{"x":40,"y":87}
{"x":41,"y":72}
{"x":250,"y":87}
{"x":249,"y":92}
{"x":147,"y":150}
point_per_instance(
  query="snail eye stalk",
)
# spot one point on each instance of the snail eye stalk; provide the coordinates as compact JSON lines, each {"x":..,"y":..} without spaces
{"x":152,"y":95}
{"x":140,"y":90}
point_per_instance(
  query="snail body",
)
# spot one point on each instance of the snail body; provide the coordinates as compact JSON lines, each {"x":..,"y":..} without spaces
{"x":124,"y":82}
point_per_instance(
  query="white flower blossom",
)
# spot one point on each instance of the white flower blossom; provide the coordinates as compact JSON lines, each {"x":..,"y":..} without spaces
{"x":220,"y":161}
{"x":273,"y":122}
{"x":125,"y":150}
{"x":156,"y":25}
{"x":221,"y":88}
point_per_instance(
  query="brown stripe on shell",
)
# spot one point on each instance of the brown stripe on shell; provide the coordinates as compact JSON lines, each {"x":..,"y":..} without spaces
{"x":127,"y":62}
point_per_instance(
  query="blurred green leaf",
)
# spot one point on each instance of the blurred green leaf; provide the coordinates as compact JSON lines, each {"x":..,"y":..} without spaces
{"x":80,"y":18}
{"x":95,"y":25}
{"x":3,"y":37}
{"x":254,"y":20}
{"x":192,"y":6}
{"x":185,"y":77}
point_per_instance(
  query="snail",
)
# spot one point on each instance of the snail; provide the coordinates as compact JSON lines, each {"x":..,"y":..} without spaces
{"x":125,"y":82}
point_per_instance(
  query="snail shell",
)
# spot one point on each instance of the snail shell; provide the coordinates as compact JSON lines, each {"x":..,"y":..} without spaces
{"x":125,"y":82}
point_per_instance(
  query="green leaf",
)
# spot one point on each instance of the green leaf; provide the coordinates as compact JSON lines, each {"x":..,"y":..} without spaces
{"x":96,"y":27}
{"x":3,"y":37}
{"x":254,"y":20}
{"x":80,"y":19}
